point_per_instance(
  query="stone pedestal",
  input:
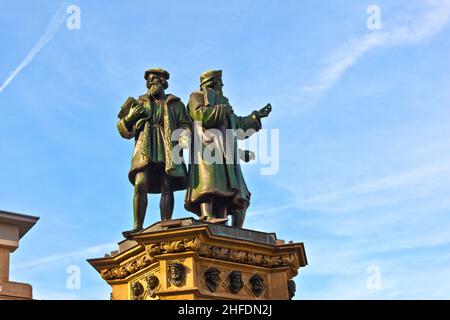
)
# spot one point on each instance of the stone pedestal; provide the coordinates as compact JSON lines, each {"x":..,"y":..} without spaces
{"x":189,"y":259}
{"x":13,"y":227}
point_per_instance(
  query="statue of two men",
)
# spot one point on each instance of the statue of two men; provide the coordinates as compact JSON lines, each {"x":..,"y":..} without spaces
{"x":162,"y":128}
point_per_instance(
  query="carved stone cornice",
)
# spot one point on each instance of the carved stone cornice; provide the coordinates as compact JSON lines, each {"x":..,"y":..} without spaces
{"x":199,"y":247}
{"x":241,"y":246}
{"x":130,"y":267}
{"x":221,"y":253}
{"x":203,"y":250}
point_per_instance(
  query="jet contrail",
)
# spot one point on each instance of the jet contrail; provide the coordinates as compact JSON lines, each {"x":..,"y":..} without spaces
{"x":52,"y":28}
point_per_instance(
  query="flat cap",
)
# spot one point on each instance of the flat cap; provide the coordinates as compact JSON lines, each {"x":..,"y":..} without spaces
{"x":176,"y":265}
{"x":161,"y":72}
{"x":209,"y":75}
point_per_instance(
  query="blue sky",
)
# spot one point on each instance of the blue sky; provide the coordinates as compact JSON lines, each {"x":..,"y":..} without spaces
{"x":364,"y":175}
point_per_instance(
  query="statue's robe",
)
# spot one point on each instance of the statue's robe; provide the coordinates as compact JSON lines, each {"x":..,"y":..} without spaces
{"x":153,"y":143}
{"x":223,"y":181}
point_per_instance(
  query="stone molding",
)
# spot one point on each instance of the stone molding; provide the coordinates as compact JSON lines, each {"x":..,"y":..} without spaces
{"x":195,"y":244}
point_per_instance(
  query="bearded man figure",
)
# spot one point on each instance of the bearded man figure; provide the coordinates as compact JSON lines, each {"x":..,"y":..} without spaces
{"x":152,"y":120}
{"x":217,"y":188}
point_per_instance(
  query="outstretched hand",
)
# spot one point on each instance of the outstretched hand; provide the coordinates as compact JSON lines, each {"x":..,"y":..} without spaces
{"x":264,"y":112}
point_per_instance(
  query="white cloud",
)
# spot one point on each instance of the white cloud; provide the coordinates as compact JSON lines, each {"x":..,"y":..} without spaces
{"x":407,"y":29}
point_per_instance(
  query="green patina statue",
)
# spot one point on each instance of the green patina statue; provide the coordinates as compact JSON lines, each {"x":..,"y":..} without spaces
{"x":151,"y":121}
{"x":161,"y":128}
{"x":217,"y":188}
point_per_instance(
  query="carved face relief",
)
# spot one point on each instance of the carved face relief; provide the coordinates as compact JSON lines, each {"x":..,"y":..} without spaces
{"x":152,"y":285}
{"x":235,"y":281}
{"x":137,"y":290}
{"x":177,"y":274}
{"x":212,"y":278}
{"x":152,"y":282}
{"x":291,"y":289}
{"x":258,"y":286}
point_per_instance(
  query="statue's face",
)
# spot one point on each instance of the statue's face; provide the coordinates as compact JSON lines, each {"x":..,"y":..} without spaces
{"x":236,"y":281}
{"x":291,"y":289}
{"x":176,"y":273}
{"x":258,"y":284}
{"x":136,"y":288}
{"x":155,"y":85}
{"x":215,"y":84}
{"x":218,"y":84}
{"x":213,"y":277}
{"x":152,"y":282}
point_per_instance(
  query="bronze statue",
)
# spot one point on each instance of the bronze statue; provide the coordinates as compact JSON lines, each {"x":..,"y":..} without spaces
{"x":257,"y":282}
{"x":235,"y":281}
{"x":217,"y":189}
{"x":177,"y":273}
{"x":151,"y":120}
{"x":212,"y":278}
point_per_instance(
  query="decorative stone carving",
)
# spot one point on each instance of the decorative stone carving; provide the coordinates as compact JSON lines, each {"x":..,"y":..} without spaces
{"x":198,"y":247}
{"x":204,"y":250}
{"x":192,"y":244}
{"x":173,"y":246}
{"x":177,"y":273}
{"x":212,"y":278}
{"x":137,"y":290}
{"x":152,"y":285}
{"x":235,"y":283}
{"x":153,"y":249}
{"x":131,"y":267}
{"x":258,"y":286}
{"x":291,"y":289}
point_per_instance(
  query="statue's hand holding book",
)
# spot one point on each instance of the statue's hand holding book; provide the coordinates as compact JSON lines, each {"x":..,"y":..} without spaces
{"x":136,"y":112}
{"x":132,"y":111}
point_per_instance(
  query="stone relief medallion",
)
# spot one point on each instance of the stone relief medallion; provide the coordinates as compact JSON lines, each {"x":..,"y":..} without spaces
{"x":176,"y":273}
{"x":212,"y":278}
{"x":291,"y":289}
{"x":137,"y":290}
{"x":257,"y":284}
{"x":235,"y":282}
{"x":152,"y":285}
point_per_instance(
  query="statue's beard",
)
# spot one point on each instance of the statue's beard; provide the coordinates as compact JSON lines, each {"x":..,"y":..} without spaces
{"x":218,"y":91}
{"x":156,"y":90}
